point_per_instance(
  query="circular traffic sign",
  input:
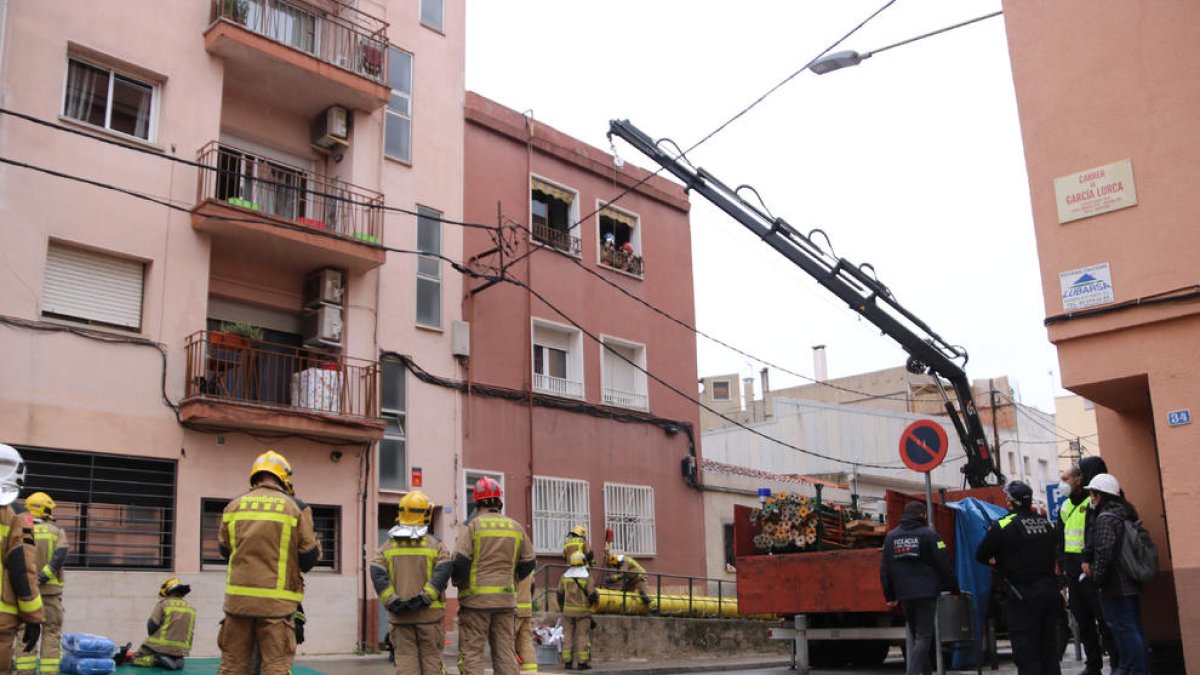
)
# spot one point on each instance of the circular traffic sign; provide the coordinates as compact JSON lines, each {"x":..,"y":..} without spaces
{"x":923,"y":445}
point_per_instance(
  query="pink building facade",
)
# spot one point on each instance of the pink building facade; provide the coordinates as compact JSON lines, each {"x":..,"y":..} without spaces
{"x":281,"y":144}
{"x":1107,"y":104}
{"x":565,"y":414}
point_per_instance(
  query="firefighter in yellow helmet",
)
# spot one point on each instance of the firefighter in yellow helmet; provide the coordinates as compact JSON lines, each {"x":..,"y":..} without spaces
{"x":576,"y":595}
{"x":410,"y":574}
{"x":267,"y":536}
{"x":20,"y":598}
{"x":628,"y":575}
{"x":491,"y":555}
{"x":52,"y":549}
{"x":577,"y":541}
{"x":169,"y":630}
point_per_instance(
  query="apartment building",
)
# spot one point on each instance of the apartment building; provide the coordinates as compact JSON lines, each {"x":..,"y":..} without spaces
{"x":573,"y":409}
{"x":236,"y":294}
{"x":1107,"y":105}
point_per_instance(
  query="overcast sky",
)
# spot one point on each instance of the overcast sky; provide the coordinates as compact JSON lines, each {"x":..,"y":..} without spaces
{"x":911,"y":161}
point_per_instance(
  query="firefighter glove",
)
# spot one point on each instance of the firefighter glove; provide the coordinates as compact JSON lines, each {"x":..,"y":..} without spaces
{"x":42,"y":578}
{"x":423,"y":600}
{"x":299,"y":632}
{"x":33,"y":631}
{"x":397,"y":605}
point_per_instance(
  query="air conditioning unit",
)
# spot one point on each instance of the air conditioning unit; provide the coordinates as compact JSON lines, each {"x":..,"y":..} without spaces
{"x":322,"y":326}
{"x":324,"y":286}
{"x":331,"y":129}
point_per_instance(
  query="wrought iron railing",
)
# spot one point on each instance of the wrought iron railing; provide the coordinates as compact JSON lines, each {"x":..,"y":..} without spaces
{"x":557,"y":385}
{"x":241,"y":178}
{"x":622,"y":260}
{"x":341,"y":36}
{"x":625,"y":399}
{"x":555,"y":238}
{"x":232,"y":368}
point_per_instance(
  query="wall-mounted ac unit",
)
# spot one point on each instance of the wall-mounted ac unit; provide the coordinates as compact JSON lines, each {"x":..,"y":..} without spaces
{"x":322,"y":326}
{"x":324,"y":285}
{"x":331,"y":129}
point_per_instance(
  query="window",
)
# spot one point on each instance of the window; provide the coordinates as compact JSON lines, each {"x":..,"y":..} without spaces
{"x":326,"y":523}
{"x":397,"y":133}
{"x":558,"y":505}
{"x":118,"y":511}
{"x":629,"y":511}
{"x":284,"y":23}
{"x":622,"y":367}
{"x":1012,"y":464}
{"x":92,"y":287}
{"x":727,"y":535}
{"x":262,"y":185}
{"x":720,"y":390}
{"x":393,"y":449}
{"x":1025,"y":468}
{"x":553,"y":216}
{"x":432,"y":12}
{"x":1044,"y":471}
{"x":620,"y":241}
{"x":557,"y":360}
{"x":103,"y":98}
{"x":429,"y":268}
{"x":473,"y":477}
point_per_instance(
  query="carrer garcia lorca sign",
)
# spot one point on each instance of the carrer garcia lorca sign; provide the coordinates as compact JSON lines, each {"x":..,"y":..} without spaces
{"x":1095,"y":191}
{"x":1086,"y":287}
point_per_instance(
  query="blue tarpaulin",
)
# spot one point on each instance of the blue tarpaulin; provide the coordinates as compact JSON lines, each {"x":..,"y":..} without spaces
{"x":971,"y":522}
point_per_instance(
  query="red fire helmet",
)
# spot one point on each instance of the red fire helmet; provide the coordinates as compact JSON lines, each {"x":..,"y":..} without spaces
{"x":487,"y":488}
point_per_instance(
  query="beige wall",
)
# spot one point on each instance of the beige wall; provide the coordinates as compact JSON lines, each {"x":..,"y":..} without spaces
{"x":1076,"y":415}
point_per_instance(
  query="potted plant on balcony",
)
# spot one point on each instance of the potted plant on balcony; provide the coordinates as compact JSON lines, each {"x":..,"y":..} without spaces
{"x":237,"y":10}
{"x":237,"y":335}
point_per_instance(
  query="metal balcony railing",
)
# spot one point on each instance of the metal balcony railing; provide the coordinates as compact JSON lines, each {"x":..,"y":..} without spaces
{"x":232,"y":368}
{"x":557,"y":385}
{"x":240,"y":178}
{"x":620,"y":260}
{"x":341,"y":35}
{"x":559,"y":239}
{"x":625,"y":399}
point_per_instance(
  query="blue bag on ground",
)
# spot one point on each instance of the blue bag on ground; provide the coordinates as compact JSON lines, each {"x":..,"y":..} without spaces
{"x":85,"y":654}
{"x":73,"y":664}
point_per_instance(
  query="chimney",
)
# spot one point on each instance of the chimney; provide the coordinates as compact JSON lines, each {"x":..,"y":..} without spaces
{"x":820,"y":369}
{"x":765,"y":378}
{"x":748,"y":396}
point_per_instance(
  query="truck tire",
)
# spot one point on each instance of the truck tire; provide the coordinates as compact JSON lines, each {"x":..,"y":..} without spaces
{"x":868,"y":653}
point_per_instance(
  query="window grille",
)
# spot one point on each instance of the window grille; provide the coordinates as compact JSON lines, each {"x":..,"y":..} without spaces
{"x":327,"y":522}
{"x":118,"y":511}
{"x":558,"y":505}
{"x":629,"y":511}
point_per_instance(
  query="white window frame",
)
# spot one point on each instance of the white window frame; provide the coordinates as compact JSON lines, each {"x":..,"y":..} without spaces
{"x":401,"y":416}
{"x":436,"y":217}
{"x":574,"y":384}
{"x":82,"y":309}
{"x":155,"y":98}
{"x":633,"y":533}
{"x":639,"y":399}
{"x":441,"y":12}
{"x":729,"y":386}
{"x":469,"y":483}
{"x":572,"y":213}
{"x":635,"y":238}
{"x":407,"y":96}
{"x":553,"y":516}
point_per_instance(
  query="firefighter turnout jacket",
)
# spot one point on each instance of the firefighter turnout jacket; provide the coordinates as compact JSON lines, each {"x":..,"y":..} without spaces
{"x":19,"y":594}
{"x":170,"y":627}
{"x":525,"y":598}
{"x":490,"y":555}
{"x":575,"y":543}
{"x":576,"y":595}
{"x":406,"y":573}
{"x":52,"y":549}
{"x":267,"y":536}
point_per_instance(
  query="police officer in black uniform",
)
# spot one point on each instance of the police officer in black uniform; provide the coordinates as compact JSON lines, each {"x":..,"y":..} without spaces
{"x":1022,"y":546}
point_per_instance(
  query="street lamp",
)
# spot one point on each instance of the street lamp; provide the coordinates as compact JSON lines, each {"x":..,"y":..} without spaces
{"x":847,"y":58}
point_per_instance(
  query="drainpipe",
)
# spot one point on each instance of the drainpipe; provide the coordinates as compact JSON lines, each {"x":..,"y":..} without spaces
{"x":748,"y":396}
{"x":3,"y":43}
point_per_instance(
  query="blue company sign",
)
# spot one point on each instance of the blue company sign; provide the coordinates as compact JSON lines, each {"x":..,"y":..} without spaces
{"x":1054,"y":502}
{"x":1087,"y":284}
{"x":1179,"y":417}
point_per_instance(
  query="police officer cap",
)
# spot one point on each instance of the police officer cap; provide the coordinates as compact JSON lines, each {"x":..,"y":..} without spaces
{"x":1019,"y":492}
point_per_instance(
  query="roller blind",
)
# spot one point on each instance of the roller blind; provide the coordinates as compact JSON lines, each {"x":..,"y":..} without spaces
{"x":93,"y":286}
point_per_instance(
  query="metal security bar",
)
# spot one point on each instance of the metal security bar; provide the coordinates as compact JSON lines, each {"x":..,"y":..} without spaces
{"x":557,"y":385}
{"x":629,"y":511}
{"x":558,"y":505}
{"x":118,"y":511}
{"x":622,"y":260}
{"x":555,"y":238}
{"x":346,"y":37}
{"x":327,"y":522}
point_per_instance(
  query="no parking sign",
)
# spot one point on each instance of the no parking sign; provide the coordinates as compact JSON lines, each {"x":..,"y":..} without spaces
{"x":923,"y":445}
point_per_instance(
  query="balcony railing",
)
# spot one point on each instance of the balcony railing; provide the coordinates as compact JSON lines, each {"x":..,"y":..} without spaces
{"x":557,"y":385}
{"x":239,"y":178}
{"x":230,"y":368}
{"x":621,"y":260}
{"x":625,"y":399}
{"x":559,"y":239}
{"x":346,"y":38}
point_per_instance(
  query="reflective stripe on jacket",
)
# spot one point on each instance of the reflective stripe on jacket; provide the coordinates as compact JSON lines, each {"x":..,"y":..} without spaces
{"x":1074,"y":523}
{"x":494,"y":544}
{"x":176,"y":621}
{"x":19,"y":595}
{"x":265,"y":531}
{"x":409,"y":564}
{"x":48,"y":538}
{"x":575,"y":594}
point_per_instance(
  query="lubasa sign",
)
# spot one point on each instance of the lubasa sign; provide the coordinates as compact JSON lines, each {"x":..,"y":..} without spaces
{"x":1086,"y":287}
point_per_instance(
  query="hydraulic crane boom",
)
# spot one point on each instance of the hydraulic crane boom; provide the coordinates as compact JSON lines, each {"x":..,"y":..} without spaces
{"x":928,"y":351}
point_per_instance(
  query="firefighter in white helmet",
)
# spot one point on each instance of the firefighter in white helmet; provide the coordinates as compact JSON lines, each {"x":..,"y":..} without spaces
{"x":20,"y":598}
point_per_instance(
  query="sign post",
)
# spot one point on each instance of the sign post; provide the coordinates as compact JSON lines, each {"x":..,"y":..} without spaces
{"x":923,"y":446}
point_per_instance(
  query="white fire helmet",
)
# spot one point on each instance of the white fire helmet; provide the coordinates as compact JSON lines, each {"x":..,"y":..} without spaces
{"x":12,"y":474}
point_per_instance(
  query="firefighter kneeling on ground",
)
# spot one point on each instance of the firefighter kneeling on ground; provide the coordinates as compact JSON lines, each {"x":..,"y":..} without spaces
{"x":410,"y":574}
{"x":267,"y":536}
{"x":169,"y":630}
{"x":20,"y":599}
{"x":576,"y":597}
{"x":52,"y":549}
{"x":629,"y":575}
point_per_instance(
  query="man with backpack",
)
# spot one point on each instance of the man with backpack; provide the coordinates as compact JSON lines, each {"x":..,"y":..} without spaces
{"x":1120,"y":595}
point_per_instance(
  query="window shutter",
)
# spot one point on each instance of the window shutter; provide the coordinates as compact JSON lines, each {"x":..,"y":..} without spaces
{"x":93,"y":286}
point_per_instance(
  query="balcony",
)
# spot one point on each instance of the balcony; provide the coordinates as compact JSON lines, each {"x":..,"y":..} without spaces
{"x":239,"y":385}
{"x":253,"y":204}
{"x":557,"y":386}
{"x":555,"y":238}
{"x":622,"y":261}
{"x":624,"y":399}
{"x":300,"y":55}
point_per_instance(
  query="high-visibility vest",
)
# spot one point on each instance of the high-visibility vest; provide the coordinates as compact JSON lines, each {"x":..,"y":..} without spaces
{"x":1074,"y":521}
{"x":410,"y":547}
{"x":174,"y":634}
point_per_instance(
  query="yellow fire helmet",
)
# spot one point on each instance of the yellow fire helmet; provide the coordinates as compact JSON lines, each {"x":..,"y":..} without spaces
{"x":613,"y":559}
{"x":173,"y":584}
{"x":40,"y":505}
{"x":579,"y":531}
{"x":415,"y":509}
{"x":576,"y":559}
{"x":275,"y":464}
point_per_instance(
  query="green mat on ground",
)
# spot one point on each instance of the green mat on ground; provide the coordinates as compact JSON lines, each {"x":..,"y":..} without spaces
{"x":204,"y":667}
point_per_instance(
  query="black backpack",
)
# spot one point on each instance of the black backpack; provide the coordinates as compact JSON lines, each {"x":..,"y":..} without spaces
{"x":1138,"y":557}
